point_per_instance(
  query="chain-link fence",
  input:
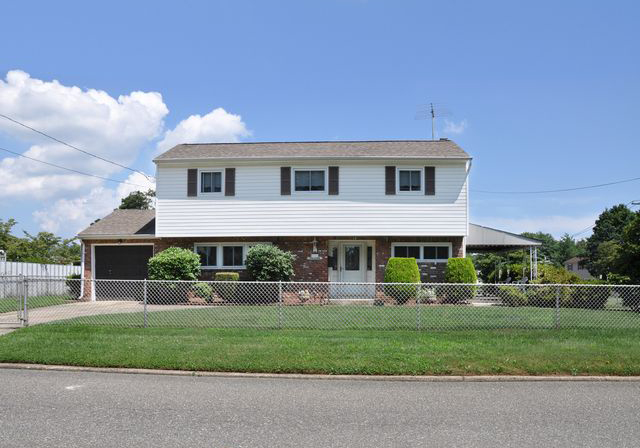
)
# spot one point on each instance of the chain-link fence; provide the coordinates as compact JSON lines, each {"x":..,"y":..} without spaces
{"x":310,"y":305}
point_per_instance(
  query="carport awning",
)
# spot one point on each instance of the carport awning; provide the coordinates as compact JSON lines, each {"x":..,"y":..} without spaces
{"x":483,"y":238}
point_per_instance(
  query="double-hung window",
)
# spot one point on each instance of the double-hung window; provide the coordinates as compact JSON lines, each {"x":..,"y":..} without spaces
{"x":309,"y":180}
{"x":210,"y":181}
{"x":409,"y":180}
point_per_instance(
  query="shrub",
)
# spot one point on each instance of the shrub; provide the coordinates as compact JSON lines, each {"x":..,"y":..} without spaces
{"x":459,"y":270}
{"x":267,"y":263}
{"x":512,"y":296}
{"x":593,"y":294}
{"x":203,"y":290}
{"x":226,"y":290}
{"x":174,"y":263}
{"x":402,"y":270}
{"x":169,"y":265}
{"x":548,"y":273}
{"x":73,"y":285}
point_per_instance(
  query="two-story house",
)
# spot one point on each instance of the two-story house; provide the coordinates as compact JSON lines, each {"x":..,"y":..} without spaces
{"x":343,"y":208}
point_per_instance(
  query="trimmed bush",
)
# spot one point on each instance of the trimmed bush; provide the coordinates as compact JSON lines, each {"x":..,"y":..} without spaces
{"x":267,"y":263}
{"x":512,"y":296}
{"x":402,"y":270}
{"x":593,"y":294}
{"x":169,"y":265}
{"x":174,"y":263}
{"x":459,"y":270}
{"x":548,"y":273}
{"x":73,"y":285}
{"x":227,"y":290}
{"x":203,"y":290}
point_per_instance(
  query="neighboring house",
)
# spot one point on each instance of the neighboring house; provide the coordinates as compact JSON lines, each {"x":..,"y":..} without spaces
{"x":576,"y":265}
{"x":343,"y":208}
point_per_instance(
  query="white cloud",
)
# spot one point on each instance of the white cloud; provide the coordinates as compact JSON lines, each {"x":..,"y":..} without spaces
{"x":556,"y":225}
{"x":451,"y":127}
{"x":75,"y":214}
{"x":216,"y":126}
{"x":113,"y":128}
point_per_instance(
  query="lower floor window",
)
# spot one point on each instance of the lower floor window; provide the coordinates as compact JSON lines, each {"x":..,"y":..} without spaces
{"x":423,"y":252}
{"x":407,"y":252}
{"x":436,"y":252}
{"x":223,"y":255}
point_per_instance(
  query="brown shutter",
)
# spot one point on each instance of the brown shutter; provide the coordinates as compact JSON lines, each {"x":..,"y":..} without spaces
{"x":285,"y":180}
{"x":389,"y":180}
{"x":430,"y":180}
{"x":192,"y":182}
{"x":334,"y":180}
{"x":229,"y":181}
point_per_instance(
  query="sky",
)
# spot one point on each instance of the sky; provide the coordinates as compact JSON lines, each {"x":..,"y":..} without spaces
{"x":543,"y":95}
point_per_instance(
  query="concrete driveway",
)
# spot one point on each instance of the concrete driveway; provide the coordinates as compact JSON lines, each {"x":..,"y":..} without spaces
{"x":48,"y":408}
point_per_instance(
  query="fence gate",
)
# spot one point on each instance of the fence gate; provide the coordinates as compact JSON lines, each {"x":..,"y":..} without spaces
{"x":13,"y":302}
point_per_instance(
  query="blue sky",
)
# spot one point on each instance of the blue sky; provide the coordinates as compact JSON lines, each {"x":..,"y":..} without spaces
{"x":542,"y":95}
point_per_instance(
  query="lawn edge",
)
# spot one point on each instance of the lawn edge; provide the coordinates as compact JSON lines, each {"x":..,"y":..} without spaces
{"x":302,"y":376}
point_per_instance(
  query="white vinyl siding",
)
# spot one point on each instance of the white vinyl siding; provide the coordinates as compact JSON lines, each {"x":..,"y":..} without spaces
{"x":361,"y":207}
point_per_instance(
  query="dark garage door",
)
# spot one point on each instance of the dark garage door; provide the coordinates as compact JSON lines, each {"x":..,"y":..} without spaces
{"x":120,"y":263}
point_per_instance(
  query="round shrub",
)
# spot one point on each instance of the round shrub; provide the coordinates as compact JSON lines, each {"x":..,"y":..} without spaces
{"x":202,"y":290}
{"x":227,"y":288}
{"x":459,"y":270}
{"x":174,"y":263}
{"x":267,"y":263}
{"x":402,"y":270}
{"x":512,"y":296}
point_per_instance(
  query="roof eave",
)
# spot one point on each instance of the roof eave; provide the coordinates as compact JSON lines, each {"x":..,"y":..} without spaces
{"x":116,"y":237}
{"x":197,"y":159}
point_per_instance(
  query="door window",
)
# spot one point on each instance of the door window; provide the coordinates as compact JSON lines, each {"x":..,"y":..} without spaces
{"x":352,"y":258}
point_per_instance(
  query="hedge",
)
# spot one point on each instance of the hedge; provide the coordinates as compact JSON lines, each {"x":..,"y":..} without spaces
{"x":402,"y":270}
{"x":459,"y":270}
{"x":227,"y":290}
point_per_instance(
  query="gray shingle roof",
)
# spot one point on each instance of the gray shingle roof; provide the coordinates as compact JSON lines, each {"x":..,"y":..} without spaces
{"x":123,"y":223}
{"x":414,"y":149}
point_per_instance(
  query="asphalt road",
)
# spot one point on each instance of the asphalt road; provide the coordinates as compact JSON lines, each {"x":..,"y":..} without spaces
{"x":40,"y":408}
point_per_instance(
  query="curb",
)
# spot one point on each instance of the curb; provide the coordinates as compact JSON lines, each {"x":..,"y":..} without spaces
{"x":300,"y":376}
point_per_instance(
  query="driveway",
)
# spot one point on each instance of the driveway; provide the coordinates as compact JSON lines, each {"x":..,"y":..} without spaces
{"x":47,"y":408}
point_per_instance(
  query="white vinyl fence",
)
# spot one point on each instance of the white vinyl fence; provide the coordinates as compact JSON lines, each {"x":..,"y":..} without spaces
{"x":35,"y":270}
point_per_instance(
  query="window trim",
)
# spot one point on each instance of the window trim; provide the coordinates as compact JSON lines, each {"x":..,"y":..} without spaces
{"x":325,"y":189}
{"x":410,"y":168}
{"x":422,"y":245}
{"x":220,"y":253}
{"x":210,"y":170}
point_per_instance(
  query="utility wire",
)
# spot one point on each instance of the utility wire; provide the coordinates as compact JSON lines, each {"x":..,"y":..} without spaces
{"x":560,"y":189}
{"x":73,"y":147}
{"x":71,"y":169}
{"x":586,"y":229}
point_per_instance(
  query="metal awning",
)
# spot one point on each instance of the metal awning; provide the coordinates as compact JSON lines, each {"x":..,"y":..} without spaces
{"x":483,"y":238}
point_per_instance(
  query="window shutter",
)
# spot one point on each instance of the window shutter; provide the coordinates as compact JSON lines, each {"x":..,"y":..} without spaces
{"x":285,"y":180}
{"x":389,"y":180}
{"x":430,"y":180}
{"x":334,"y":180}
{"x":192,"y":182}
{"x":229,"y":181}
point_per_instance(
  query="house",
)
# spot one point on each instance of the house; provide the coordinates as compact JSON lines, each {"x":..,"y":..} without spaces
{"x":343,"y":208}
{"x":576,"y":265}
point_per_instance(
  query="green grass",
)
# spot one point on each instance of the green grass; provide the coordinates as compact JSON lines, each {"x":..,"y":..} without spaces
{"x":368,"y":317}
{"x":537,"y":352}
{"x":11,"y":303}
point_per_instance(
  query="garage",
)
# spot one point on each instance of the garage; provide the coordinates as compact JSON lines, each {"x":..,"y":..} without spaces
{"x":125,"y":262}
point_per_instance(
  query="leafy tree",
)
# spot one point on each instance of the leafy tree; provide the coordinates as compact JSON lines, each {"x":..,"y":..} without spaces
{"x":609,"y":228}
{"x":627,"y":257}
{"x":44,"y":247}
{"x":6,"y":239}
{"x":138,"y":200}
{"x":566,"y":248}
{"x":549,"y":249}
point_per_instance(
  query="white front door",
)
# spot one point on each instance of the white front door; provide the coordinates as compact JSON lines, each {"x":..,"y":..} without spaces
{"x":352,"y":263}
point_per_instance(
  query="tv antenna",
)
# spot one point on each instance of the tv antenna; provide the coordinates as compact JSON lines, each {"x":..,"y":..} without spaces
{"x":432,"y":111}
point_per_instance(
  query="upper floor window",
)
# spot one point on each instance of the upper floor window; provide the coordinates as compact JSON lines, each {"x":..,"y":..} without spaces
{"x":309,"y":180}
{"x":409,"y":180}
{"x":210,"y":181}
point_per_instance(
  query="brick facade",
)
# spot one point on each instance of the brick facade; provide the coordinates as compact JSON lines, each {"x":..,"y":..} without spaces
{"x":306,"y":268}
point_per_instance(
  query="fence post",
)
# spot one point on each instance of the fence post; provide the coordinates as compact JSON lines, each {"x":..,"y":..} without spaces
{"x":280,"y":304}
{"x":145,"y":301}
{"x":557,"y":323}
{"x":25,"y":310}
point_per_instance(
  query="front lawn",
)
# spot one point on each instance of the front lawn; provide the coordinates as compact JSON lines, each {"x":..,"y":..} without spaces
{"x":11,"y":303}
{"x":360,"y":317}
{"x":537,"y":352}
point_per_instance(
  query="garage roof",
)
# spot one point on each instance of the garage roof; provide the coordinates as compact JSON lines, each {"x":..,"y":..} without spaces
{"x":123,"y":223}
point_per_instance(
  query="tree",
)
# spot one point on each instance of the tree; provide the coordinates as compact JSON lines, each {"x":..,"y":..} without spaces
{"x":627,"y":258}
{"x":566,"y":248}
{"x":138,"y":200}
{"x":6,"y":239}
{"x":609,"y":227}
{"x":549,"y":249}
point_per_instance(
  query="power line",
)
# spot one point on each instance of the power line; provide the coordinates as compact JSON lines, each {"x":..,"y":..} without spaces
{"x":586,"y":229}
{"x":73,"y":147}
{"x":560,"y":189}
{"x":71,"y":169}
